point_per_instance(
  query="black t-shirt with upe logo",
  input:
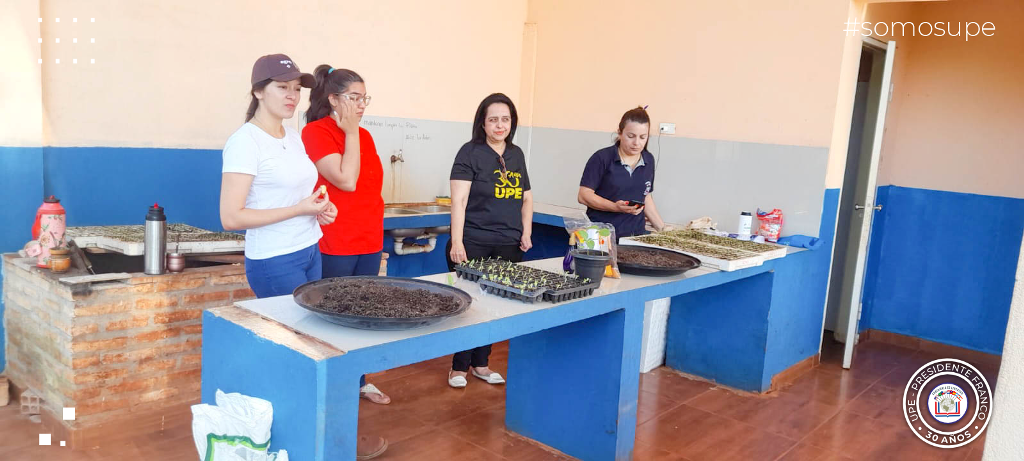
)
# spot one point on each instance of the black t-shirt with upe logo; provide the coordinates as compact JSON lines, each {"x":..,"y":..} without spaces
{"x":494,"y":210}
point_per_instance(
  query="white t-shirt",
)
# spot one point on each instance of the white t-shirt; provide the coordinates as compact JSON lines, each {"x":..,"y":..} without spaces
{"x":283,"y":176}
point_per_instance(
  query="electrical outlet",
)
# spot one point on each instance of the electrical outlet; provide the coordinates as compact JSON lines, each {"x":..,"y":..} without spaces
{"x":667,"y":128}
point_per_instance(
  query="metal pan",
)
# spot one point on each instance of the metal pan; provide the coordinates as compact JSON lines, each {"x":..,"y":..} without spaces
{"x":309,"y":294}
{"x":686,"y":262}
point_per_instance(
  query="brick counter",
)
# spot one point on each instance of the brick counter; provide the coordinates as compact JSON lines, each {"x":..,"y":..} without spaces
{"x":112,"y":350}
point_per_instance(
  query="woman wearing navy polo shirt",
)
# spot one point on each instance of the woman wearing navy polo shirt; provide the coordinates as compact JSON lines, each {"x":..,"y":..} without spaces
{"x":620,"y":174}
{"x":492,"y":209}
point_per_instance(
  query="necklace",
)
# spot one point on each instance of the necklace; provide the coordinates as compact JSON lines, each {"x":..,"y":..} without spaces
{"x":259,"y":124}
{"x":631,"y":164}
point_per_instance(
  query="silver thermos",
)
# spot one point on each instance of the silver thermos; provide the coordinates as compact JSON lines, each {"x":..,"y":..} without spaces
{"x":156,"y":240}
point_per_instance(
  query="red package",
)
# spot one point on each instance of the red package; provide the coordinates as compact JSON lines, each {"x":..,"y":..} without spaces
{"x":771,"y":224}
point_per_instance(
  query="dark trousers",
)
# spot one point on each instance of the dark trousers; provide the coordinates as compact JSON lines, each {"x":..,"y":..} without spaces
{"x":349,"y":265}
{"x":477,"y":357}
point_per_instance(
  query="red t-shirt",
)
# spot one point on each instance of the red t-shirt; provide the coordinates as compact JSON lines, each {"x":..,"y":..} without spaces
{"x":359,"y":227}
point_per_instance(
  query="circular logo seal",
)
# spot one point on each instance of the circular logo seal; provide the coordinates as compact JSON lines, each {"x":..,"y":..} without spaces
{"x":930,"y":403}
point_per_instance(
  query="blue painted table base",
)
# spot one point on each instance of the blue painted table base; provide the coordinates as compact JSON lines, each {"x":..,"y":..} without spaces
{"x":561,"y":389}
{"x":584,"y":404}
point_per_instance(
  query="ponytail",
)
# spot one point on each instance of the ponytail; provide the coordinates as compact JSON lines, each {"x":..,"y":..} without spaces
{"x":254,"y":102}
{"x":328,"y":81}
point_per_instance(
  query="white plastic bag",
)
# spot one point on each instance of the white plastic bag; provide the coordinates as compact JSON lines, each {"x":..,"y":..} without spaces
{"x":237,"y":428}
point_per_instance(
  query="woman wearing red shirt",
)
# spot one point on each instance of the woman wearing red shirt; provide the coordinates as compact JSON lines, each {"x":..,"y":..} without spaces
{"x":347,"y":163}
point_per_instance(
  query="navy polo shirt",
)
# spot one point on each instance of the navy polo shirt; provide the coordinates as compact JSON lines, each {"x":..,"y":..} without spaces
{"x":612,"y":180}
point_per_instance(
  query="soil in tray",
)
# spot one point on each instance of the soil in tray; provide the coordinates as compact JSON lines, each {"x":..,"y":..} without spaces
{"x":371,"y":299}
{"x":649,"y":259}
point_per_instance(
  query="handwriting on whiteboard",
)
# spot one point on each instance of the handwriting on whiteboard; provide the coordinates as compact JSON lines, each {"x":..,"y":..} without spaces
{"x":391,"y":125}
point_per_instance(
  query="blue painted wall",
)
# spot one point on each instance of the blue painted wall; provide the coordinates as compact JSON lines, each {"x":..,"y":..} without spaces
{"x":21,"y":193}
{"x":107,"y":186}
{"x":548,"y":242}
{"x":941,"y":266}
{"x":799,"y":298}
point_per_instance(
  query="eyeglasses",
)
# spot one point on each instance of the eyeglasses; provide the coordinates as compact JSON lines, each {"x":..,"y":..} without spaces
{"x":356,"y":98}
{"x":504,"y":171}
{"x":493,"y":120}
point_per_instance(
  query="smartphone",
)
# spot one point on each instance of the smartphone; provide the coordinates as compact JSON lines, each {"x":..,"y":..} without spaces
{"x":633,"y":203}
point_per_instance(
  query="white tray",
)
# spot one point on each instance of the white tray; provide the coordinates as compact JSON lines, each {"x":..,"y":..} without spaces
{"x":725,"y":265}
{"x":94,"y":237}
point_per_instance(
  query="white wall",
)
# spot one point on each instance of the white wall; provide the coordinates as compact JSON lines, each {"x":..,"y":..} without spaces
{"x":1004,"y":440}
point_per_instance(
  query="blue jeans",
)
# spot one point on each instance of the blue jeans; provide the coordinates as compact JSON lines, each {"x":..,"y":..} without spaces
{"x":281,"y":275}
{"x":349,"y":265}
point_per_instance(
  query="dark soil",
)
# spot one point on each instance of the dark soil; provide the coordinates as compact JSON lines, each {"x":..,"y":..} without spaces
{"x":372,"y":299}
{"x":638,"y":257}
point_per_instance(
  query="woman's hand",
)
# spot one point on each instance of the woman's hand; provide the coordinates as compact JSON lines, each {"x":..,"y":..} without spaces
{"x":525,"y":243}
{"x":329,"y":215}
{"x":624,"y":207}
{"x":458,"y":253}
{"x":313,"y":205}
{"x":345,"y":116}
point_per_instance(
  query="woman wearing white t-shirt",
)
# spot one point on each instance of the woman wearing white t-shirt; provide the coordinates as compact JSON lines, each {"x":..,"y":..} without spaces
{"x":267,"y":181}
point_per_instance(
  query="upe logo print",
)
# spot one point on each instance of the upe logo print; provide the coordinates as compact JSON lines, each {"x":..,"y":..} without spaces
{"x":947,"y":403}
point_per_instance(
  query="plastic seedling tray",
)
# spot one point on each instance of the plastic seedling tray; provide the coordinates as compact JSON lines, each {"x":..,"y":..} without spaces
{"x":468,"y":273}
{"x":565,"y":294}
{"x":766,"y":250}
{"x":726,"y":265}
{"x":527,"y":296}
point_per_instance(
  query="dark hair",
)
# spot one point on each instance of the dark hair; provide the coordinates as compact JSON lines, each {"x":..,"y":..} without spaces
{"x":479,"y":136}
{"x":638,"y":115}
{"x":328,"y":81}
{"x":254,"y":103}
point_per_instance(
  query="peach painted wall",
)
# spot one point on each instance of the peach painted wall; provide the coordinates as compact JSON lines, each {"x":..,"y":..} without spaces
{"x":954,"y":123}
{"x":21,"y":93}
{"x":176,"y":74}
{"x":725,"y":70}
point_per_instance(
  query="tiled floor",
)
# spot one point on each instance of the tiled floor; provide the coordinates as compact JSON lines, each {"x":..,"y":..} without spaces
{"x":827,"y":414}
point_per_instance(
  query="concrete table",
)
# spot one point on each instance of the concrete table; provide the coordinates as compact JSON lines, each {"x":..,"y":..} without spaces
{"x":310,"y":368}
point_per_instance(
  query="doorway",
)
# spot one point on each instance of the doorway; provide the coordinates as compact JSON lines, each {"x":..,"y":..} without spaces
{"x":856,"y":204}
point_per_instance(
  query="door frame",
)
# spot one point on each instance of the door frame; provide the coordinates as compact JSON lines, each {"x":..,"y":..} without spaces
{"x":860,"y":263}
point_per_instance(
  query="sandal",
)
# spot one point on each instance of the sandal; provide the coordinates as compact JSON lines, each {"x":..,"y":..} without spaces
{"x":370,"y":389}
{"x":368,"y":448}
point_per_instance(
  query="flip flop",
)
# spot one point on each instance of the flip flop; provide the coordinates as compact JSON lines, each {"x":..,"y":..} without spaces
{"x":493,"y":378}
{"x":456,"y":381}
{"x":379,"y":451}
{"x":368,"y":389}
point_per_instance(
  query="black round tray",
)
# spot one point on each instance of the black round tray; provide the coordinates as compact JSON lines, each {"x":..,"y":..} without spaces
{"x":309,"y":294}
{"x":689,"y":262}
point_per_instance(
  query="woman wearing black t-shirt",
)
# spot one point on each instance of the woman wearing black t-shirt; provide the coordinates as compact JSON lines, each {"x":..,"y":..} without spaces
{"x":492,"y":209}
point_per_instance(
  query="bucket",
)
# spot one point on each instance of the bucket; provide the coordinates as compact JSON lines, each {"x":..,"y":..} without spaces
{"x":590,"y":263}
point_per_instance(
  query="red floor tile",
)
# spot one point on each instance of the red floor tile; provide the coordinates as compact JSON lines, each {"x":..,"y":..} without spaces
{"x":699,"y":435}
{"x":667,"y":383}
{"x":487,"y":430}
